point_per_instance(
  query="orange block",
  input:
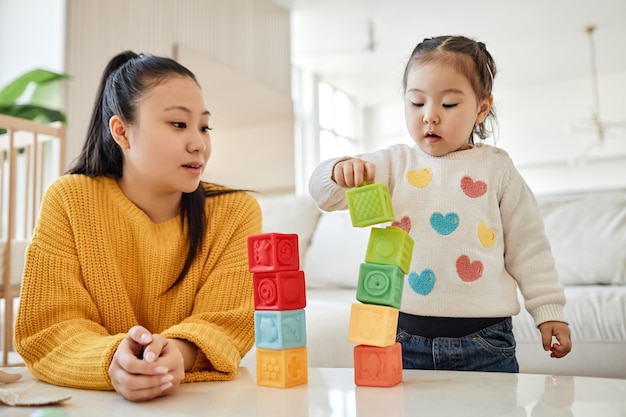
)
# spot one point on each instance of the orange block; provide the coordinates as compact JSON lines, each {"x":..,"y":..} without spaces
{"x":281,"y":368}
{"x":377,"y":366}
{"x":373,"y":325}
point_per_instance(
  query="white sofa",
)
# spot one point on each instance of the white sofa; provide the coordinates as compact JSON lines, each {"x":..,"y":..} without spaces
{"x":588,"y":237}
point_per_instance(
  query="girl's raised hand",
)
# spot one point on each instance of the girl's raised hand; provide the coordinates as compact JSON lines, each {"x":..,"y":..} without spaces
{"x":353,"y":172}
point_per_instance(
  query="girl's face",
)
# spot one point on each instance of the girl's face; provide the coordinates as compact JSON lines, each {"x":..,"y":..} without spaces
{"x":441,"y":108}
{"x":168,"y":146}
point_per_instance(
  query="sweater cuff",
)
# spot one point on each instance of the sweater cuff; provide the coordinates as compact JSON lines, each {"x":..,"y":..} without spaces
{"x":548,"y":312}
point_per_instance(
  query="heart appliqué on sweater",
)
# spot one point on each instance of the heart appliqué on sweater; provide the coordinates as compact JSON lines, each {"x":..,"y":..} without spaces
{"x":404,"y":223}
{"x":468,"y":271}
{"x":444,"y":225}
{"x":421,"y":178}
{"x":422,"y":283}
{"x":471,"y":188}
{"x":486,"y":235}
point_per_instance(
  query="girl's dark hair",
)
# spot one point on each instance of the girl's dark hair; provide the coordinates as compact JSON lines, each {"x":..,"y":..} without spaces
{"x":469,"y":58}
{"x":127,"y":78}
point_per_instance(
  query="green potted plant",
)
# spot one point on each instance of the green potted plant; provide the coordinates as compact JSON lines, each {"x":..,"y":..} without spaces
{"x":37,"y":103}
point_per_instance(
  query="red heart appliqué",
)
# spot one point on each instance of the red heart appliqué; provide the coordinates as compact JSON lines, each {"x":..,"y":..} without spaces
{"x":471,"y":188}
{"x":404,"y":223}
{"x":468,"y":271}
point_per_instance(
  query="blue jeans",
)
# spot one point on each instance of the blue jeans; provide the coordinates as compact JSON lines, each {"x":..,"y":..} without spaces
{"x":491,"y":349}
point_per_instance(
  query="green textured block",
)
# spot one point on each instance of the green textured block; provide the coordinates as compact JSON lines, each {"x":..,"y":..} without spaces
{"x":390,"y":246}
{"x":369,"y":204}
{"x":380,"y":285}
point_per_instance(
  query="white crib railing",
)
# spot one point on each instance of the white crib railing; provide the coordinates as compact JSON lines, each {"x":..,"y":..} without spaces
{"x":31,"y":156}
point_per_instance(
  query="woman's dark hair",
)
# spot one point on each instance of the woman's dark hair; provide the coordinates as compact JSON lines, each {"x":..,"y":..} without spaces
{"x":469,"y":58}
{"x":127,"y":78}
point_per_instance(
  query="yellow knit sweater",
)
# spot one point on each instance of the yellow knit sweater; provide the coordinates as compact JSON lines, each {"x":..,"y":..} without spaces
{"x":97,"y":265}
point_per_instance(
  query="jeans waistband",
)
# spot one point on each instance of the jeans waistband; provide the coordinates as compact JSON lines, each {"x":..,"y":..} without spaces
{"x":432,"y":327}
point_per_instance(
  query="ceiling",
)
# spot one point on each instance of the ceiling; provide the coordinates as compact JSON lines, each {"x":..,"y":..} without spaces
{"x":532,"y":41}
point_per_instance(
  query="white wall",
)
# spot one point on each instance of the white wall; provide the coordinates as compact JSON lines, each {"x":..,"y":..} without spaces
{"x":31,"y":36}
{"x":543,"y":128}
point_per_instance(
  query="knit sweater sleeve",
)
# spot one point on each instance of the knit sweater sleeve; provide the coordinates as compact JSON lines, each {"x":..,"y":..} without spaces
{"x":330,"y":197}
{"x":58,"y":331}
{"x":222,"y":321}
{"x":324,"y":190}
{"x":528,"y":257}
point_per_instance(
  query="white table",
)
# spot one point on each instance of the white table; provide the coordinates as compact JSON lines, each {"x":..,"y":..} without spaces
{"x":331,"y":392}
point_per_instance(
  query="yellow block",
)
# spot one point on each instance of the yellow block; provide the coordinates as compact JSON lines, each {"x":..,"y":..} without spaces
{"x":373,"y":325}
{"x":281,"y":368}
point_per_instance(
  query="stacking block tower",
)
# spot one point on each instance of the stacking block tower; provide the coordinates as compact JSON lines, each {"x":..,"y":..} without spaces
{"x":279,"y":317}
{"x":373,"y":321}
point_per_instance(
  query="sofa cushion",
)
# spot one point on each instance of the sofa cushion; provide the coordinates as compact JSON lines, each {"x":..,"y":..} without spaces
{"x":290,"y":214}
{"x":336,"y":252}
{"x":588,"y":237}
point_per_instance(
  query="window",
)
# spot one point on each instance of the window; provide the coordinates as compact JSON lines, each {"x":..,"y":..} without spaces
{"x":325,"y":123}
{"x":337,"y":123}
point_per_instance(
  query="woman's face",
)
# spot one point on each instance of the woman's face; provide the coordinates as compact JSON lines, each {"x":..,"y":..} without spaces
{"x":169,"y":144}
{"x":441,"y":108}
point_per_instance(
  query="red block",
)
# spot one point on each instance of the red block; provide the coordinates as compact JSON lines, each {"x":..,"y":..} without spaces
{"x":377,"y":366}
{"x":284,"y":290}
{"x":272,"y":252}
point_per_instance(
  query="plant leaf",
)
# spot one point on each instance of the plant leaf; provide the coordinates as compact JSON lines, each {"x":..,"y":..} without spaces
{"x":11,"y":92}
{"x":33,"y":112}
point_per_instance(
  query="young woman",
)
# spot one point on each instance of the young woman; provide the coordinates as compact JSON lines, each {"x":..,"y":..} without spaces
{"x":136,"y":277}
{"x":477,"y":229}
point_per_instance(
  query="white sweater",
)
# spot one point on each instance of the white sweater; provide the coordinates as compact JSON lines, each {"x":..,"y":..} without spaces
{"x":477,"y":228}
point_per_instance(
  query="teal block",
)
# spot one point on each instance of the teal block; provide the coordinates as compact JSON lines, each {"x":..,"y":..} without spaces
{"x":380,"y":285}
{"x":369,"y":204}
{"x":280,"y":330}
{"x":390,"y":246}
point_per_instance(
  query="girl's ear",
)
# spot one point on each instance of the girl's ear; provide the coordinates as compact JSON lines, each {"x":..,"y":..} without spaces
{"x":484,"y":108}
{"x":119,"y":130}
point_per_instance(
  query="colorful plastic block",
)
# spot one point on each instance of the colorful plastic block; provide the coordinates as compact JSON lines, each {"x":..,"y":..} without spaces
{"x":390,"y":246}
{"x":271,"y":252}
{"x":279,"y":329}
{"x":369,"y":204}
{"x":380,"y":284}
{"x":378,"y":366}
{"x":281,"y":368}
{"x":283,"y":290}
{"x":373,"y":325}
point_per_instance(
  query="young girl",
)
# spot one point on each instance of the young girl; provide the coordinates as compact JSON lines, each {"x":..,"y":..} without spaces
{"x":477,"y":228}
{"x":136,"y":278}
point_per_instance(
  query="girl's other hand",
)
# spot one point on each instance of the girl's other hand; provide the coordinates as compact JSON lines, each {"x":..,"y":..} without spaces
{"x":560,"y":331}
{"x":135,"y":378}
{"x":353,"y":172}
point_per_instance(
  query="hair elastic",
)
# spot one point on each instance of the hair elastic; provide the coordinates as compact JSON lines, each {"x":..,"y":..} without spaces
{"x":490,"y":73}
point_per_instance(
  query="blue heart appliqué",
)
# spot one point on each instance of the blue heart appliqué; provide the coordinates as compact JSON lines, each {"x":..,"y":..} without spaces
{"x":422,"y":283}
{"x":444,"y":225}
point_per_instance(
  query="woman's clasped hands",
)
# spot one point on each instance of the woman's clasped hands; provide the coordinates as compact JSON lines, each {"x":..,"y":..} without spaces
{"x":146,"y":365}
